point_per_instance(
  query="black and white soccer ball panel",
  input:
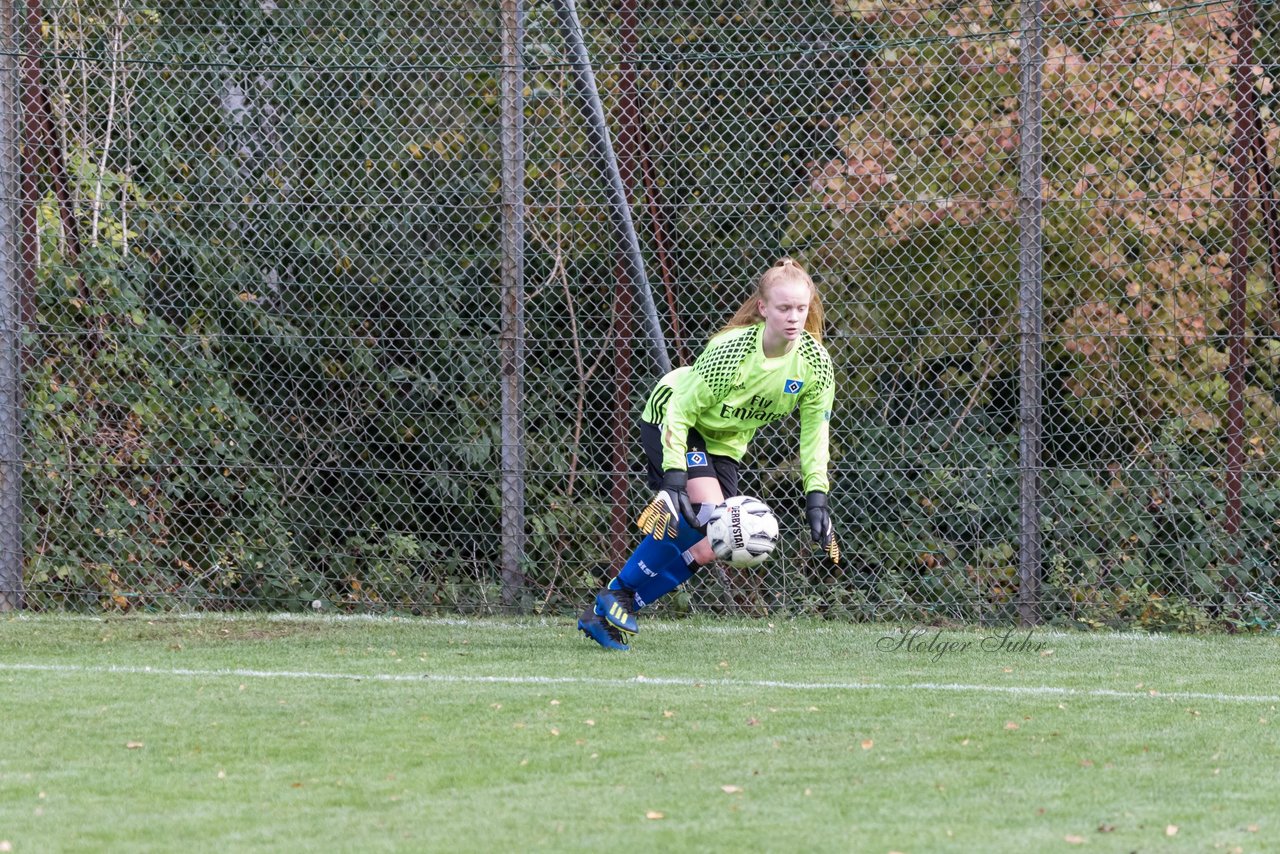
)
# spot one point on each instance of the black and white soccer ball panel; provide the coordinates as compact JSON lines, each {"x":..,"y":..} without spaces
{"x":743,"y":531}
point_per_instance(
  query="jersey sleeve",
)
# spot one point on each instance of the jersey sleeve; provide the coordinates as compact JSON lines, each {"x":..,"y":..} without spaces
{"x":815,"y":417}
{"x":655,"y":407}
{"x":713,"y":375}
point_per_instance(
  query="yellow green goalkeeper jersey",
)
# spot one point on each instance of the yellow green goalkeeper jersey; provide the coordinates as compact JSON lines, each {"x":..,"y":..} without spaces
{"x":733,"y":389}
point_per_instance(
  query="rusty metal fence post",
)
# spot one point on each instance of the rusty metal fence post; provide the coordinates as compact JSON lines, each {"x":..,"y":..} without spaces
{"x":1030,"y":307}
{"x":11,"y":464}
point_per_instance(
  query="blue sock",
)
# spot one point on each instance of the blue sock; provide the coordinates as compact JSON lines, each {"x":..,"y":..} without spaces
{"x":676,"y":572}
{"x":646,"y":562}
{"x":657,"y":567}
{"x":689,"y":536}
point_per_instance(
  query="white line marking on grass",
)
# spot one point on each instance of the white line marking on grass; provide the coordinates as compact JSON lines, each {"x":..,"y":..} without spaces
{"x":1013,"y":690}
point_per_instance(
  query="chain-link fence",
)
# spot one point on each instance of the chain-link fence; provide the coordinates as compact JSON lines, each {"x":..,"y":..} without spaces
{"x":335,"y":304}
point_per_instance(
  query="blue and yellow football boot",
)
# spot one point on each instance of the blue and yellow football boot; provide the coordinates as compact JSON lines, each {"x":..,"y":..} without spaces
{"x":617,"y":606}
{"x":595,"y":627}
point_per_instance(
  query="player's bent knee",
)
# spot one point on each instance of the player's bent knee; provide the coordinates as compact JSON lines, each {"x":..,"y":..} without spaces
{"x":702,"y":552}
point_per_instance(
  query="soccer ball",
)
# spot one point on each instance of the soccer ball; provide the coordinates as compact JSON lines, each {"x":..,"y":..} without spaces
{"x":743,"y":531}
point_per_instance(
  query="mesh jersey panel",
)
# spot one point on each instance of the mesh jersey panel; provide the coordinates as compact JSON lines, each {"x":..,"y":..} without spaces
{"x":719,"y":364}
{"x":819,"y":362}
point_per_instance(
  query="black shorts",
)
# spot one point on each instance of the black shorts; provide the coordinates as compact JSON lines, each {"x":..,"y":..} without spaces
{"x":699,"y":462}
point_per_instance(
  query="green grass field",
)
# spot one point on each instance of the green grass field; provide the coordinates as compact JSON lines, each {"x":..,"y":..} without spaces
{"x":254,"y":733}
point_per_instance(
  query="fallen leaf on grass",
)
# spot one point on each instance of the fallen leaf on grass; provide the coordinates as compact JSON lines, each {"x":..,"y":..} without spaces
{"x":868,"y":744}
{"x":731,"y":790}
{"x":654,"y":814}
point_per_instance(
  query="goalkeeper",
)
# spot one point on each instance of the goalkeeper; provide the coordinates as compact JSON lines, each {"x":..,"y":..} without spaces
{"x":766,"y":362}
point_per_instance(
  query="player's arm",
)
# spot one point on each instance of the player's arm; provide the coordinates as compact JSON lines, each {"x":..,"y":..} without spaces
{"x":700,"y":389}
{"x":661,"y":516}
{"x":691,"y":394}
{"x":815,"y":441}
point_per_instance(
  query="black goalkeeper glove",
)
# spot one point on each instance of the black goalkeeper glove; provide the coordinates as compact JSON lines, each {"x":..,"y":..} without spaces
{"x":661,"y":516}
{"x":819,"y":517}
